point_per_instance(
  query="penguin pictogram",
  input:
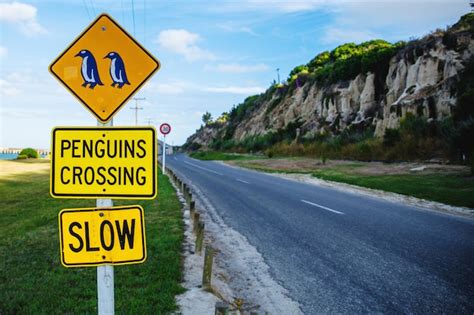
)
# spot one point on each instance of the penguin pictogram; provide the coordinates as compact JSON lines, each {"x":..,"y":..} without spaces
{"x":117,"y":69}
{"x":89,"y":71}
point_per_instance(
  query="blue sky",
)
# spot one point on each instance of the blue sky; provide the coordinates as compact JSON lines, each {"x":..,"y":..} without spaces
{"x":213,"y":53}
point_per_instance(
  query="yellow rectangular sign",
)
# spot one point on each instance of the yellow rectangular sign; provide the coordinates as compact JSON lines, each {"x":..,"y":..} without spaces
{"x":115,"y":162}
{"x":99,"y":236}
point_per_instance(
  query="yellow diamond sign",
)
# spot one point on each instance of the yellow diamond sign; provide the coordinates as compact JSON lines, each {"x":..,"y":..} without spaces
{"x":104,"y":67}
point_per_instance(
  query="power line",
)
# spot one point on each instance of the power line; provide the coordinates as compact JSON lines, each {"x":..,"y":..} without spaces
{"x":133,"y":16}
{"x":87,"y":9}
{"x":92,"y":7}
{"x":144,"y":22}
{"x":123,"y":12}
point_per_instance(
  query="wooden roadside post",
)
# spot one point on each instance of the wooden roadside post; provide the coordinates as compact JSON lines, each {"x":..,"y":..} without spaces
{"x":192,"y":207}
{"x":207,"y":272}
{"x":199,"y":237}
{"x":197,"y":216}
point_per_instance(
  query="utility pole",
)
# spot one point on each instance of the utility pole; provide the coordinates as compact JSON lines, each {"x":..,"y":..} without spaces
{"x":278,"y":74}
{"x":136,"y":108}
{"x":149,"y":121}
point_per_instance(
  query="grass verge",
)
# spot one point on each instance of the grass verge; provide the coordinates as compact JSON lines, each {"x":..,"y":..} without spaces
{"x":452,"y":189}
{"x":221,"y":156}
{"x":456,"y":190}
{"x":32,"y":279}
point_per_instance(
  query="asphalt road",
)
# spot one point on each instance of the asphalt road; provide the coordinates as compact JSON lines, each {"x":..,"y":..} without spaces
{"x":338,"y":252}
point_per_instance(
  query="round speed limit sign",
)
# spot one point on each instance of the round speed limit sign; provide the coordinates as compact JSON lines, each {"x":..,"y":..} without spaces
{"x":165,"y":129}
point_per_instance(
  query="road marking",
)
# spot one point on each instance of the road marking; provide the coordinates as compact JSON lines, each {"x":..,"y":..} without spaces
{"x":322,"y":207}
{"x":174,"y":157}
{"x":203,"y":168}
{"x":242,"y":181}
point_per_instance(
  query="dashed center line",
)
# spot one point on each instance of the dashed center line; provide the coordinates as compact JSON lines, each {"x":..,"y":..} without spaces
{"x":242,"y":181}
{"x":322,"y":207}
{"x":203,"y":168}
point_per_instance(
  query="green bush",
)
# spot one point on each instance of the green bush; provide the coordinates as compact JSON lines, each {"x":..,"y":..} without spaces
{"x":194,"y":146}
{"x":21,"y":156}
{"x":323,"y":158}
{"x":391,"y":137}
{"x":416,"y":126}
{"x":30,"y":153}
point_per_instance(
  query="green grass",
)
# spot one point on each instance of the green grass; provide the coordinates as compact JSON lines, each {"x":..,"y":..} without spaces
{"x":32,"y":279}
{"x":221,"y":156}
{"x":457,"y":190}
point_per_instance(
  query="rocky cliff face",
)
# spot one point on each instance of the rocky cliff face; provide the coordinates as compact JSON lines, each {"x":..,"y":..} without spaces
{"x":421,"y":79}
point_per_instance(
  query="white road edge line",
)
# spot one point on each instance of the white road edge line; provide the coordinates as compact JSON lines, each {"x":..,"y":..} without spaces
{"x":322,"y":207}
{"x":203,"y":168}
{"x":242,"y":181}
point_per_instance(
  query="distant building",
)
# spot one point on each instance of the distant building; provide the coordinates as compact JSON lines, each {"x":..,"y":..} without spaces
{"x":169,"y":148}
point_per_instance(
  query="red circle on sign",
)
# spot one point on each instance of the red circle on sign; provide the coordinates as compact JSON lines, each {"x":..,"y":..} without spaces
{"x":165,"y":128}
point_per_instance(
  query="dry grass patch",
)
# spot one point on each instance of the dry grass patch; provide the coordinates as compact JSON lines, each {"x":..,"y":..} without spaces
{"x":10,"y":168}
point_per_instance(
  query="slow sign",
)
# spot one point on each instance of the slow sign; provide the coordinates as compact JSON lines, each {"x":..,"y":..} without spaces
{"x":98,"y":236}
{"x":116,"y":162}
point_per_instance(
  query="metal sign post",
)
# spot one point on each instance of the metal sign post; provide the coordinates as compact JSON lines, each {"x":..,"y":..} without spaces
{"x":164,"y":129}
{"x":105,"y":274}
{"x":164,"y":154}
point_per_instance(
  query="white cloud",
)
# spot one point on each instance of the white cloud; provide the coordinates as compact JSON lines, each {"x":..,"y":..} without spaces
{"x":339,"y":36}
{"x":25,"y":113}
{"x":8,"y":89}
{"x":21,"y":15}
{"x":284,"y":6}
{"x":236,"y":29}
{"x":238,"y":68}
{"x":3,"y":52}
{"x":172,"y":88}
{"x":184,"y":43}
{"x":397,"y":20}
{"x":236,"y":90}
